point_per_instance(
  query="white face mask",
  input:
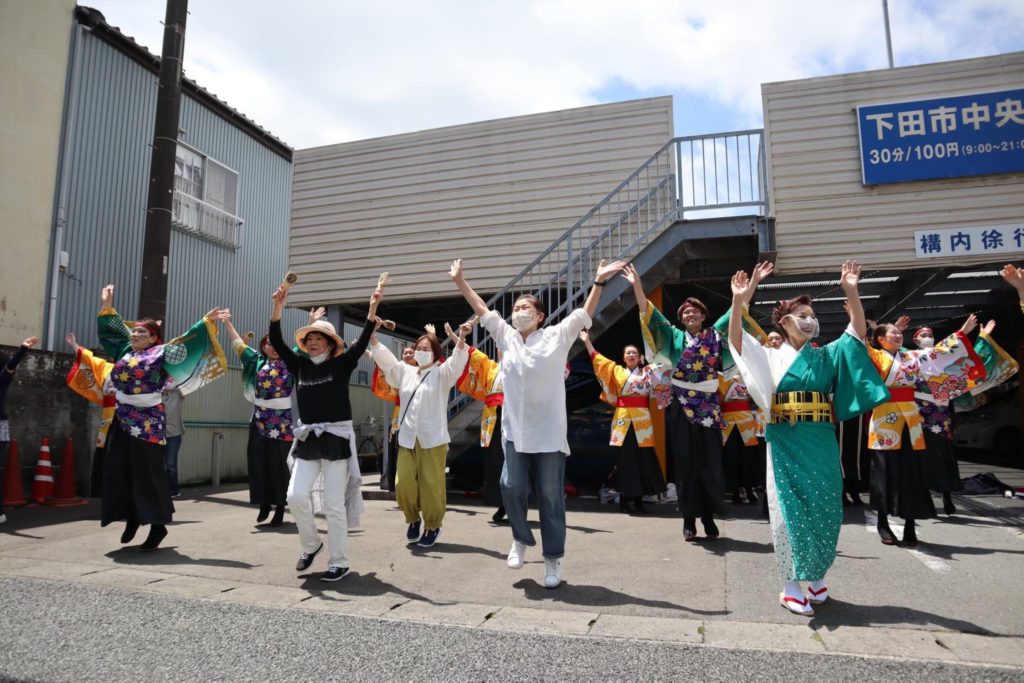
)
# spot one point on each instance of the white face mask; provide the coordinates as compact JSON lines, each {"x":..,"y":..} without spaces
{"x":522,"y":320}
{"x":808,"y":325}
{"x":424,"y":358}
{"x":321,"y":358}
{"x":925,"y":342}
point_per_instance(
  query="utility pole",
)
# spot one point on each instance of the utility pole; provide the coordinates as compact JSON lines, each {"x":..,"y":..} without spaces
{"x":157,"y":246}
{"x":888,"y":34}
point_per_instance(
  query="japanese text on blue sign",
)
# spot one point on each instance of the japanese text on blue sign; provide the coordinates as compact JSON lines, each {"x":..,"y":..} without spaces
{"x":948,"y":137}
{"x":973,"y":241}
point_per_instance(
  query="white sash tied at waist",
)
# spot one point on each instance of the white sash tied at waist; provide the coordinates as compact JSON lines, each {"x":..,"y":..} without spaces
{"x":353,"y":492}
{"x":707,"y":386}
{"x":273,"y":403}
{"x":140,"y":400}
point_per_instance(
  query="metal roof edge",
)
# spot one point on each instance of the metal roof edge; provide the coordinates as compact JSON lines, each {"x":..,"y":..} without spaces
{"x":94,"y":20}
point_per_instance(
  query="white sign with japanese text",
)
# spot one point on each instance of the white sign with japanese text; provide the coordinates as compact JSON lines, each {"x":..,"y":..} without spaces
{"x":976,"y":241}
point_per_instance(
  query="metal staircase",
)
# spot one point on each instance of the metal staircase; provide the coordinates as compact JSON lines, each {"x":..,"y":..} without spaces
{"x":687,"y":180}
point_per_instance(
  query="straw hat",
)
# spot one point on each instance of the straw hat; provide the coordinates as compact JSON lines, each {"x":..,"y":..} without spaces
{"x":323,"y":327}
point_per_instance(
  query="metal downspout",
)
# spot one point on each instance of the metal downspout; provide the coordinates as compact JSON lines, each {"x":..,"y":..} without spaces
{"x":63,"y":171}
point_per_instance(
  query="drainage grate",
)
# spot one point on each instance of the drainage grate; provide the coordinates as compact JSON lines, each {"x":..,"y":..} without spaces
{"x":1010,"y":517}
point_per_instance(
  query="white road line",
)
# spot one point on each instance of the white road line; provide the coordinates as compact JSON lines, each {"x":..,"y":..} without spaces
{"x":934,"y":563}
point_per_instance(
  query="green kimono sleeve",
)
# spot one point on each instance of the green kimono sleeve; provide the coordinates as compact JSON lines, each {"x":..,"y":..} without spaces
{"x":663,"y":339}
{"x":858,"y":386}
{"x":750,"y":326}
{"x":999,"y":367}
{"x":195,"y":358}
{"x":115,"y":337}
{"x":250,"y":365}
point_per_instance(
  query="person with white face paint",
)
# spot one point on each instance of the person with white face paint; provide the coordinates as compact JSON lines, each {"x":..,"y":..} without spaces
{"x":324,"y":441}
{"x":803,"y":386}
{"x":422,"y":429}
{"x":533,"y":420}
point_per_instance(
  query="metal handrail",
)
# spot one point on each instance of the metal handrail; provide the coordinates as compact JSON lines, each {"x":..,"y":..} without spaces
{"x":698,"y":173}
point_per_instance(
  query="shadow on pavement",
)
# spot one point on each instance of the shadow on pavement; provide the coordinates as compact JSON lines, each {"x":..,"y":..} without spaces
{"x":358,"y":584}
{"x":725,"y":545}
{"x":456,"y":549}
{"x":947,"y":552}
{"x":836,"y":613}
{"x":599,"y":596}
{"x":169,"y":555}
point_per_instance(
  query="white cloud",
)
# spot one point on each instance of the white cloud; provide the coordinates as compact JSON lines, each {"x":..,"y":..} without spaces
{"x":318,"y":73}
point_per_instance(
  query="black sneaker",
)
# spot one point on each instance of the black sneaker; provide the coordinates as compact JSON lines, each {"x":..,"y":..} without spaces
{"x":412,"y":534}
{"x":334,"y":573}
{"x":429,"y":538}
{"x":306,"y":559}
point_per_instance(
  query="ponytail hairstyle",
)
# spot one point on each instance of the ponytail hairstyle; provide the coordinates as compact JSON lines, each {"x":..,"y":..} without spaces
{"x":786,"y":307}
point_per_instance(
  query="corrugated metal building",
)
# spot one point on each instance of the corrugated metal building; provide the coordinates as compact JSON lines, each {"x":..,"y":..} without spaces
{"x":823,"y":211}
{"x":495,"y":193}
{"x":229,"y":242}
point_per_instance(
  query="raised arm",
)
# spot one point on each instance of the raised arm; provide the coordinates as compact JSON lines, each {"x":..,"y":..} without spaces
{"x":115,"y":337}
{"x":585,"y":338}
{"x":232,"y":332}
{"x":471,"y":297}
{"x":290,"y":358}
{"x":352,"y":355}
{"x":604,"y":272}
{"x":848,"y":280}
{"x":743,"y":288}
{"x":633,"y":278}
{"x":17,"y":356}
{"x":1015,"y":277}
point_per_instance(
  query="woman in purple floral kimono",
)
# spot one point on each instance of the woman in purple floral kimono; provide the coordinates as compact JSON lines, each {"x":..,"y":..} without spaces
{"x":135,"y":485}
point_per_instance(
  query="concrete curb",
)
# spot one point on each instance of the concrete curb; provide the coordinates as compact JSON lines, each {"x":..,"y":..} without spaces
{"x":873,"y":642}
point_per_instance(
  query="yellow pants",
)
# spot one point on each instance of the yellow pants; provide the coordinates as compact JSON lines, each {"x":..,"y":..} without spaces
{"x":420,"y":486}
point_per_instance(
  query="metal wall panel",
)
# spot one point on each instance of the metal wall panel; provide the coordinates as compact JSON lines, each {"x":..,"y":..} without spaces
{"x":495,"y":193}
{"x":825,"y":215}
{"x":108,"y":165}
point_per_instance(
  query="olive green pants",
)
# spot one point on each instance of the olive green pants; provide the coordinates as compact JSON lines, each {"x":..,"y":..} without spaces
{"x":420,"y":486}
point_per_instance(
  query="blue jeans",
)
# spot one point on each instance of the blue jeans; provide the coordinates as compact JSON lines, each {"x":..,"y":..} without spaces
{"x":171,"y":455}
{"x":548,"y":470}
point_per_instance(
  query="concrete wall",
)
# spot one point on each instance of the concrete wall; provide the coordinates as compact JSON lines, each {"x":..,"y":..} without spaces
{"x":495,"y":193}
{"x":39,"y":404}
{"x":34,"y":42}
{"x":825,"y":215}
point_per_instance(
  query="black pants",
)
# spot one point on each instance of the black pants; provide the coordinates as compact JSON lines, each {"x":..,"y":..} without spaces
{"x":697,"y":465}
{"x":268,"y":469}
{"x":637,"y":470}
{"x":855,"y":456}
{"x":135,"y":486}
{"x":899,"y":483}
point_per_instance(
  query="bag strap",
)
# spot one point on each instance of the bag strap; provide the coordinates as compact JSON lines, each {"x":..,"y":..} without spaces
{"x":405,"y":412}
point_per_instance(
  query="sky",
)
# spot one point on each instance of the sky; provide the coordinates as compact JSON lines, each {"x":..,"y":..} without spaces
{"x":320,"y":72}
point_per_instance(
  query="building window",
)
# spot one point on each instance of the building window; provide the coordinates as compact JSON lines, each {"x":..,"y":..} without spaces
{"x":205,"y":198}
{"x":363,"y":378}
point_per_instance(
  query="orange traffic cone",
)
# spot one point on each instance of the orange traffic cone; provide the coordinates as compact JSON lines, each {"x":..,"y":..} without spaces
{"x":64,"y":495}
{"x":42,"y":485}
{"x":14,"y":492}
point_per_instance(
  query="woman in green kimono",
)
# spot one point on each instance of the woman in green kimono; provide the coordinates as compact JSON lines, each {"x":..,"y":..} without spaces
{"x":804,"y":483}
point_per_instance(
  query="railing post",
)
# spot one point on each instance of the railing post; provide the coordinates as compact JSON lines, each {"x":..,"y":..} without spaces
{"x":569,"y":265}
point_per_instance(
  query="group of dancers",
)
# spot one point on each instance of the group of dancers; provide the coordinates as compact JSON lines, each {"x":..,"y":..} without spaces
{"x":717,"y":383}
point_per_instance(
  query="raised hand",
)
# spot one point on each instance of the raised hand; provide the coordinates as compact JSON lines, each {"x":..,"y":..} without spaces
{"x":629,"y":272}
{"x":71,"y":341}
{"x":455,"y":272}
{"x":107,"y":297}
{"x":989,"y":326}
{"x":30,"y":342}
{"x":850,"y":276}
{"x":316,"y":314}
{"x":584,"y":336}
{"x":742,"y":287}
{"x":606,"y":270}
{"x":280,"y":296}
{"x":1013,"y":275}
{"x":969,"y":324}
{"x":761,"y":271}
{"x":450,"y":333}
{"x":218,"y":314}
{"x":902,"y":323}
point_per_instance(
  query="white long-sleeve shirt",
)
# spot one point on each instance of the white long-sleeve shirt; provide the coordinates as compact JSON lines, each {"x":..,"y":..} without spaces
{"x":424,"y":411}
{"x":533,"y":416}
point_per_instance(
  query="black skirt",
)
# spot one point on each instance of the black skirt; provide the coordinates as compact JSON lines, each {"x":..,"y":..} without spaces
{"x":135,"y":485}
{"x":855,"y":456}
{"x":743,"y":465}
{"x":697,"y":465}
{"x":494,"y":461}
{"x":268,"y":468}
{"x":637,"y":470}
{"x":940,"y":460}
{"x":327,"y":446}
{"x":899,"y":482}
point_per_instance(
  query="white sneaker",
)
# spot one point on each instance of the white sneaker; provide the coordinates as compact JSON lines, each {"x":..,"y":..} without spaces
{"x":552,"y":573}
{"x":3,"y":518}
{"x":516,"y":555}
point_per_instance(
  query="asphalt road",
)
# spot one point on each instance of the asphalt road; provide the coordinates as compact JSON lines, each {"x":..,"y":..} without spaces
{"x":55,"y":631}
